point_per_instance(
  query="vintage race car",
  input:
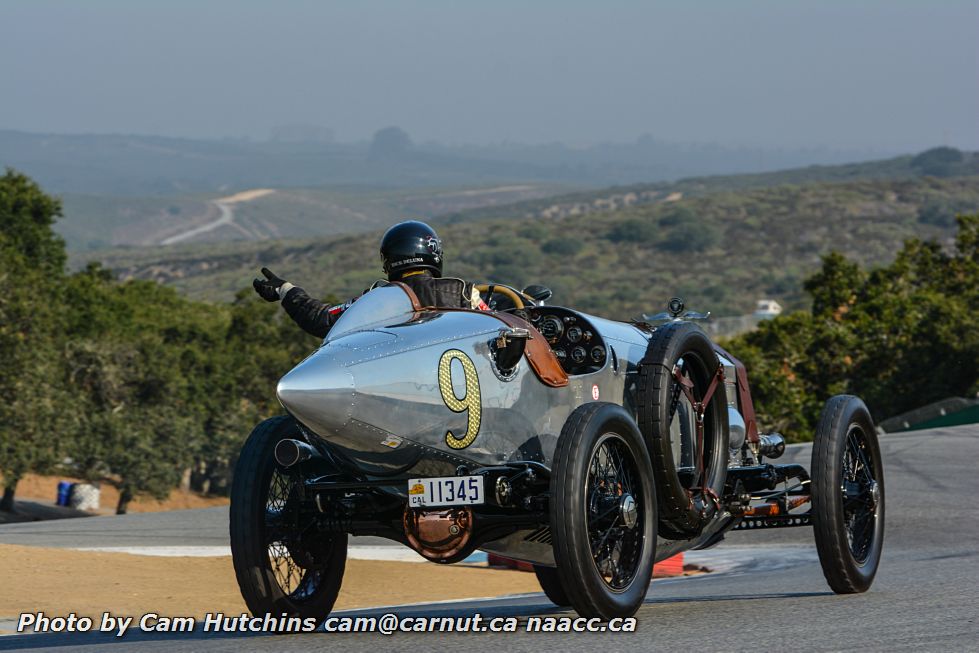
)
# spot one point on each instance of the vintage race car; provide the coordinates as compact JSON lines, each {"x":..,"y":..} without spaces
{"x":588,"y":447}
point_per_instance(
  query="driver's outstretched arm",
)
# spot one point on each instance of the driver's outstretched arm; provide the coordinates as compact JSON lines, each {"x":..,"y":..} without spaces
{"x":312,"y":315}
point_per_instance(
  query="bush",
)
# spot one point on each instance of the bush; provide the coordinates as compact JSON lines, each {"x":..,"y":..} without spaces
{"x":679,"y":215}
{"x":562,"y":246}
{"x":941,"y":211}
{"x":690,"y":237}
{"x":634,"y":230}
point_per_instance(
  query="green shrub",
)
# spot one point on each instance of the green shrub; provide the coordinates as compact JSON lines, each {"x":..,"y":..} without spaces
{"x":634,"y":230}
{"x":562,"y":246}
{"x":690,"y":237}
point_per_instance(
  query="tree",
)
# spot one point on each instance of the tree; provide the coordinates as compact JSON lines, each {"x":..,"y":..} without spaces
{"x":156,"y":384}
{"x":258,"y":345}
{"x":31,"y":269}
{"x":389,"y":143}
{"x":136,"y":427}
{"x":140,"y":366}
{"x":27,"y":215}
{"x":834,"y":287}
{"x":167,"y":387}
{"x":901,"y":336}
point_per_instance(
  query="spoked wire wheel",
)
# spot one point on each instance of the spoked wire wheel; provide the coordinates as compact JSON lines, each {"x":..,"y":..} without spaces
{"x":861,"y":494}
{"x":297,"y":579}
{"x":283,"y":565}
{"x":847,"y":495}
{"x":602,"y":512}
{"x":615,"y":519}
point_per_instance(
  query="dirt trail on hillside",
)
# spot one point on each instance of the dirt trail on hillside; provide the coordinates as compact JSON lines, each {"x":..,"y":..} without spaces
{"x":245,"y":196}
{"x":226,"y":216}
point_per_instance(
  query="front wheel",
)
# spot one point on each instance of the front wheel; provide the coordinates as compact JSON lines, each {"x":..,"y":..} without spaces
{"x":281,"y":566}
{"x":550,"y":582}
{"x":847,"y":495}
{"x":603,"y":512}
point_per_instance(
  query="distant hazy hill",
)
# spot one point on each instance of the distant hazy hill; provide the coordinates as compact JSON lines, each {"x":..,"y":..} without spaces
{"x":721,"y":250}
{"x":100,"y":221}
{"x":132,"y":165}
{"x":149,"y":165}
{"x":938,"y":162}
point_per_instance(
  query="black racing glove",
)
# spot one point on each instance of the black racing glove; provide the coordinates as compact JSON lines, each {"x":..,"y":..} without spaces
{"x":269,"y":287}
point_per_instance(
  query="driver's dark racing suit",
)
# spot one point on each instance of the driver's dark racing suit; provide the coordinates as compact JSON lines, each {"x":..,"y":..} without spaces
{"x":317,"y":318}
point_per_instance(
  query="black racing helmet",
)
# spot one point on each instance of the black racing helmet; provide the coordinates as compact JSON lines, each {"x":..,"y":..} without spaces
{"x":411,"y":245}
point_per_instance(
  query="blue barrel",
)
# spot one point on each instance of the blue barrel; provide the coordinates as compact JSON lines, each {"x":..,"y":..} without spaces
{"x":64,"y":491}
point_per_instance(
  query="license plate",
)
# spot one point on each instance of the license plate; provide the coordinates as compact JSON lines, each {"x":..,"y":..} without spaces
{"x":445,"y":491}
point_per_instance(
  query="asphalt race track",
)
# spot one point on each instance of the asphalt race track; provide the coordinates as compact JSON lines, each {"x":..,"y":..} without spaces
{"x":926,"y":596}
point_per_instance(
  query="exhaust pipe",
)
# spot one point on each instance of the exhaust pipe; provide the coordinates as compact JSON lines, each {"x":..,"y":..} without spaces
{"x":292,"y":452}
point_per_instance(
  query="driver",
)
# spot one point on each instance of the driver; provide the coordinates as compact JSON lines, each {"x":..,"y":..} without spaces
{"x":411,"y":252}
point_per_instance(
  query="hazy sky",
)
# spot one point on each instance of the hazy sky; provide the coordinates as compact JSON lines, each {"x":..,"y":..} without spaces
{"x":886,"y":74}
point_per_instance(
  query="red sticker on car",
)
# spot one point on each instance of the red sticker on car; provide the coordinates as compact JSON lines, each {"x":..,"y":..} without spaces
{"x":594,"y":392}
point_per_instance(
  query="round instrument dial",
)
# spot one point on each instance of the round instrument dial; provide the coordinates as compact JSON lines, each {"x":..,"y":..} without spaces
{"x":578,"y":354}
{"x":598,"y":354}
{"x":574,"y":334}
{"x":551,"y":328}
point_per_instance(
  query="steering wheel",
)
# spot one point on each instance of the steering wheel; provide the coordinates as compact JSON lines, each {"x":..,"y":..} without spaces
{"x":514,"y":296}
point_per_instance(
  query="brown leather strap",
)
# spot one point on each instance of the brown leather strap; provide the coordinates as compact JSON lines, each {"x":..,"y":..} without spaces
{"x":415,"y":304}
{"x":700,"y":407}
{"x":744,"y":395}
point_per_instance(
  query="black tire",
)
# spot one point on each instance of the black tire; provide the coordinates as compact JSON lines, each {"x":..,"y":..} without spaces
{"x":847,"y":495}
{"x":278,"y":570}
{"x":682,"y":514}
{"x":550,"y":582}
{"x":589,"y":507}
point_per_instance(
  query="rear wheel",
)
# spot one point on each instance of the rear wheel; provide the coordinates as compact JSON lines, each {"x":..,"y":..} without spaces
{"x":603,"y":512}
{"x":282,"y":566}
{"x":847,"y":495}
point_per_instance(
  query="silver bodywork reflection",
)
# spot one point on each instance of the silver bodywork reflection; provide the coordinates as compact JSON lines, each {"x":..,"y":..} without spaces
{"x":372,"y":392}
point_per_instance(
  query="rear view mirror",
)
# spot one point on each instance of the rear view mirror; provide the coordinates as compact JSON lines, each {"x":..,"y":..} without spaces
{"x":538,"y":293}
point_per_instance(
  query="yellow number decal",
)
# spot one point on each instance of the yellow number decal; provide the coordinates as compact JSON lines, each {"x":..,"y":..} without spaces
{"x":468,"y":402}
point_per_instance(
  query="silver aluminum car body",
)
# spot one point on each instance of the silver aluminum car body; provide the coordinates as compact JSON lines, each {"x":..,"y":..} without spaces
{"x":372,"y":392}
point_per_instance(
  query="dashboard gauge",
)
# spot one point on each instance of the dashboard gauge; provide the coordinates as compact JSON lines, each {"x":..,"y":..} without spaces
{"x":551,"y":328}
{"x":578,"y":354}
{"x":598,"y":354}
{"x":574,"y":334}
